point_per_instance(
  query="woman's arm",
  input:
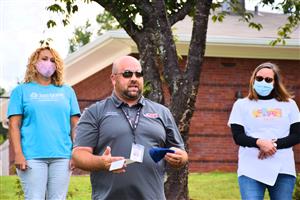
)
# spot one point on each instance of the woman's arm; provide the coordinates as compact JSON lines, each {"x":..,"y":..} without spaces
{"x":266,"y":147}
{"x":15,"y":122}
{"x":292,"y":139}
{"x":74,"y":120}
{"x":240,"y":137}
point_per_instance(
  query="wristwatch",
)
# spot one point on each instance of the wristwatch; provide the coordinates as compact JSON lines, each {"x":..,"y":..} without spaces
{"x":274,"y":142}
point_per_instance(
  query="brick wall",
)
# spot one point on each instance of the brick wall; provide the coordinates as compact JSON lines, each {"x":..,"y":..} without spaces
{"x":211,"y":145}
{"x":95,"y":87}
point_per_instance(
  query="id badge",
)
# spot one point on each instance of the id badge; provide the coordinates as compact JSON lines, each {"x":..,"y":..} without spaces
{"x":137,"y":153}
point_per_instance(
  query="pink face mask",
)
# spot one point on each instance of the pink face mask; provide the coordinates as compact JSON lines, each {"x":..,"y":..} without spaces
{"x":46,"y":68}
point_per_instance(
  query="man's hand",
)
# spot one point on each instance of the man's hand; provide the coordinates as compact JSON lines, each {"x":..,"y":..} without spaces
{"x":177,"y":159}
{"x":83,"y":158}
{"x":108,"y":159}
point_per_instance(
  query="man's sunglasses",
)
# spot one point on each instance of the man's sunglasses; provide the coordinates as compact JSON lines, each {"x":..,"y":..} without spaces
{"x":267,"y":79}
{"x":129,"y":74}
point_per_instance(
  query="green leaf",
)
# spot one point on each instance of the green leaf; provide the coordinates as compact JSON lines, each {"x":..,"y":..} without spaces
{"x":221,"y":18}
{"x":56,"y":8}
{"x":68,"y":6}
{"x":255,"y":26}
{"x":51,"y":23}
{"x":214,"y":18}
{"x":65,"y":22}
{"x":74,"y":8}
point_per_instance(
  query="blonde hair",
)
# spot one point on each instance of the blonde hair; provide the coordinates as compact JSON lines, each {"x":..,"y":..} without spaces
{"x":31,"y":71}
{"x":280,"y":92}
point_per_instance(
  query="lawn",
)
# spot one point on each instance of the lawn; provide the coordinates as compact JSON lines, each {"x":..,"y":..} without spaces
{"x":202,"y":186}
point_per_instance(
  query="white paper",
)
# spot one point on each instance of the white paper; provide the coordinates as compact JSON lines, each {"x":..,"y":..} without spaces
{"x":128,"y":161}
{"x":117,"y":165}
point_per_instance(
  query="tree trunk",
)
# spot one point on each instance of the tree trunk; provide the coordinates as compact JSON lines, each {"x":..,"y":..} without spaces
{"x":148,"y":57}
{"x":183,"y":100}
{"x":176,"y":186}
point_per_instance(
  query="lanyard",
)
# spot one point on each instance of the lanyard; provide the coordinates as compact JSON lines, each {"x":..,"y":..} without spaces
{"x":135,"y":122}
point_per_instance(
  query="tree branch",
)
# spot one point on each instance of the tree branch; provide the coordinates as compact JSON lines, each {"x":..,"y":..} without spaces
{"x":114,"y":7}
{"x":198,"y":40}
{"x":180,"y":15}
{"x":144,"y":6}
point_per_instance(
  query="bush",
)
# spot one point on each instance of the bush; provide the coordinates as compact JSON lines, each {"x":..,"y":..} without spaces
{"x":2,"y":138}
{"x":296,"y":195}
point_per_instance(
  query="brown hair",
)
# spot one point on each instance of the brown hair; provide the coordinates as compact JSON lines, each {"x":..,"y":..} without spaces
{"x":280,"y":92}
{"x":31,"y":72}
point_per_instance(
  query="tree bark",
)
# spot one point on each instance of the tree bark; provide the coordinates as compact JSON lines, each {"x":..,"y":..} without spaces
{"x":148,"y":57}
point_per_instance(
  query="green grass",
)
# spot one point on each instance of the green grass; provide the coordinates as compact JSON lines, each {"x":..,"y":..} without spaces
{"x":207,"y":186}
{"x":213,"y":186}
{"x":8,"y":187}
{"x":79,"y":189}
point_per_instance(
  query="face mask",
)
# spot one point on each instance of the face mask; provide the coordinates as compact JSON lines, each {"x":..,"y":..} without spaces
{"x":263,"y":88}
{"x":46,"y":68}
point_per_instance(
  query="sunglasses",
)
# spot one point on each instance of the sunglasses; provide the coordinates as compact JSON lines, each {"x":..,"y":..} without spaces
{"x":129,"y":74}
{"x":267,"y":79}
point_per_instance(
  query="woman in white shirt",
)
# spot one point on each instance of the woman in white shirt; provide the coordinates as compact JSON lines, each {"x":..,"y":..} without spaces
{"x":266,"y":125}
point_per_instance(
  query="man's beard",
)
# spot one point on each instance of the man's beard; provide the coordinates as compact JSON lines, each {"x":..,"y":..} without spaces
{"x":129,"y":95}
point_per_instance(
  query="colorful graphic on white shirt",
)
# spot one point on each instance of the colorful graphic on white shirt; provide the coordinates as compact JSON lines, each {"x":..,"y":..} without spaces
{"x":267,"y":113}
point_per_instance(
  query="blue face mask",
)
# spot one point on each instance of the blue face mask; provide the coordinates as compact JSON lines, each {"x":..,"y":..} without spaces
{"x":263,"y":88}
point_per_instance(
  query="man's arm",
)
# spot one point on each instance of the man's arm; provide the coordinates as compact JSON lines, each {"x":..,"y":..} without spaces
{"x":84,"y":158}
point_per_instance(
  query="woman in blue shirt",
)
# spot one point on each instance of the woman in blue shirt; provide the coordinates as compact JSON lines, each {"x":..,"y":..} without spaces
{"x":43,"y":113}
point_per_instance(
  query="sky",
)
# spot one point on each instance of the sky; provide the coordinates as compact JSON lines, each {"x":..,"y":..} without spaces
{"x":23,"y":25}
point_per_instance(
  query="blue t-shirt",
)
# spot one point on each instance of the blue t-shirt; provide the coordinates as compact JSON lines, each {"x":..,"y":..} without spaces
{"x":46,"y":113}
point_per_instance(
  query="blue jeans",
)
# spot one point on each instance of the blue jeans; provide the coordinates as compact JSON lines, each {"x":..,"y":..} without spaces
{"x":251,"y":189}
{"x":45,"y":178}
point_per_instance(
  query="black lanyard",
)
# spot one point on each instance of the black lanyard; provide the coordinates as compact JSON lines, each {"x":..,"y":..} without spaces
{"x":135,"y":122}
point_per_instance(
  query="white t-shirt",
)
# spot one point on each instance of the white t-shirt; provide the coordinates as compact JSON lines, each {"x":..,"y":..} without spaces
{"x":266,"y":119}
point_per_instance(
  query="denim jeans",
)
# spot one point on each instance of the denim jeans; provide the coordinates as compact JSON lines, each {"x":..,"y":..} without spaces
{"x":251,"y":189}
{"x":45,"y":178}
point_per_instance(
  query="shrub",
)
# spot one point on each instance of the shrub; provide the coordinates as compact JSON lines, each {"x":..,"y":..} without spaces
{"x":296,"y":195}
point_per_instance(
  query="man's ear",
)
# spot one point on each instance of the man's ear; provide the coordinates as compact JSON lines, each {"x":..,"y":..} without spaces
{"x":113,"y":78}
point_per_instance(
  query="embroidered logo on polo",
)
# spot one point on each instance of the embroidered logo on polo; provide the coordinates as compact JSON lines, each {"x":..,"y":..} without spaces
{"x":267,"y":113}
{"x":46,"y":97}
{"x":151,"y":115}
{"x":111,"y":113}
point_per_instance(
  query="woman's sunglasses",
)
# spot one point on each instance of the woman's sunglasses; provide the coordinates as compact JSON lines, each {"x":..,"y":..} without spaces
{"x":129,"y":74}
{"x":267,"y":79}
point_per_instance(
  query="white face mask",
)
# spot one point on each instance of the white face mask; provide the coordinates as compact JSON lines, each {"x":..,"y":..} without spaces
{"x":46,"y":68}
{"x":263,"y":88}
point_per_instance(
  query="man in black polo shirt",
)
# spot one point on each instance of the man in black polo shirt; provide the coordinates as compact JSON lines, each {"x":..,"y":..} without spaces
{"x":127,"y":125}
